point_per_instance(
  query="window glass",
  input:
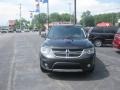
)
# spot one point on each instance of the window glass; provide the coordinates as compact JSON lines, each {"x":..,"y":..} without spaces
{"x":97,"y":30}
{"x":66,"y":32}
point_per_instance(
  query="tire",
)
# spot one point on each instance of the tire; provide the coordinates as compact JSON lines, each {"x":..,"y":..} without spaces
{"x":98,"y":43}
{"x":89,"y":70}
{"x":43,"y":70}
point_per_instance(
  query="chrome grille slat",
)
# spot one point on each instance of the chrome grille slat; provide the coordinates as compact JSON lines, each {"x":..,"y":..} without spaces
{"x":75,"y":52}
{"x":67,"y":53}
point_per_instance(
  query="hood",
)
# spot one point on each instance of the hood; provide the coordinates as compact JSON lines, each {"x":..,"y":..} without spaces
{"x":68,"y":43}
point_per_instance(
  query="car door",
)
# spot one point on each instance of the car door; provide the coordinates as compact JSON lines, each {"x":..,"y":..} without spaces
{"x":97,"y":33}
{"x":109,"y":35}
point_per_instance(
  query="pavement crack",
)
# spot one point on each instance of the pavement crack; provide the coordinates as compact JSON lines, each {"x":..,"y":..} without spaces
{"x":12,"y":71}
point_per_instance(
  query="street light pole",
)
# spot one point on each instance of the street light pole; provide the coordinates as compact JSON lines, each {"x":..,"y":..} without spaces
{"x":70,"y":11}
{"x":75,"y":19}
{"x":48,"y":14}
{"x":20,"y":17}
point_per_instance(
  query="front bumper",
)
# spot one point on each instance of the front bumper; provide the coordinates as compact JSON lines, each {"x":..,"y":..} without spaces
{"x":68,"y":65}
{"x":116,"y":45}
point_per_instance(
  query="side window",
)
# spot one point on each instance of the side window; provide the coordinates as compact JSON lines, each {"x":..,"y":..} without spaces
{"x":100,"y":31}
{"x":109,"y":31}
{"x":94,"y":31}
{"x":112,"y":31}
{"x":97,"y":30}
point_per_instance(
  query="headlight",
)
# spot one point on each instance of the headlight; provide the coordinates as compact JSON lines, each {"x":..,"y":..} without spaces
{"x":47,"y":52}
{"x":89,"y":51}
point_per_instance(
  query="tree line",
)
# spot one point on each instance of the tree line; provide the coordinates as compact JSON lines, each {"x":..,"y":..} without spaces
{"x":87,"y":19}
{"x":39,"y":20}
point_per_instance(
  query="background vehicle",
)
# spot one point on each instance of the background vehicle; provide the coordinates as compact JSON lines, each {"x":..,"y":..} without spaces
{"x":102,"y":35}
{"x":35,"y":30}
{"x":26,"y":30}
{"x":116,"y":41}
{"x":18,"y":31}
{"x":10,"y":30}
{"x":3,"y":30}
{"x":66,"y":49}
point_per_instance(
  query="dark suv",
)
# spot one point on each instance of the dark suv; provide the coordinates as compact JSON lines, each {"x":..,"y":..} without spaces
{"x":102,"y":35}
{"x":66,"y":49}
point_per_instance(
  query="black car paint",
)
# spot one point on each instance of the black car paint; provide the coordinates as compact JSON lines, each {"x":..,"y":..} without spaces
{"x":85,"y":43}
{"x":82,"y":61}
{"x":106,"y":34}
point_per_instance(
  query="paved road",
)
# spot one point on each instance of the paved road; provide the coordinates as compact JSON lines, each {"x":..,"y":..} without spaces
{"x":19,"y":68}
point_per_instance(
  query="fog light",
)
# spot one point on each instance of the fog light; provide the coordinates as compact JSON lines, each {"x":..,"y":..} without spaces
{"x":89,"y":65}
{"x":46,"y":65}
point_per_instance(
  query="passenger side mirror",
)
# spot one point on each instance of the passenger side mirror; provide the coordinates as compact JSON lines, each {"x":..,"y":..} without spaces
{"x":43,"y":34}
{"x":86,"y":35}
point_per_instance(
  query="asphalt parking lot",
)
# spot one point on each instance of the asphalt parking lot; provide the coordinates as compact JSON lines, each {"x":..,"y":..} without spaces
{"x":19,"y":67}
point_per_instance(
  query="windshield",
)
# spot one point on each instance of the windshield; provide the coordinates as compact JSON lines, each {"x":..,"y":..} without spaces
{"x":66,"y":32}
{"x":4,"y":29}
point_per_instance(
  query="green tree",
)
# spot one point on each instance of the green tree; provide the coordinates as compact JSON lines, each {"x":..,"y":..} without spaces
{"x":17,"y":24}
{"x":65,"y":17}
{"x":24,"y":23}
{"x":39,"y":20}
{"x":87,"y":19}
{"x":108,"y":17}
{"x":55,"y":17}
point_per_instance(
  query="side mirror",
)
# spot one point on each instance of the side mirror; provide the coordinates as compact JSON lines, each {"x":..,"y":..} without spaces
{"x":43,"y":34}
{"x":87,"y":35}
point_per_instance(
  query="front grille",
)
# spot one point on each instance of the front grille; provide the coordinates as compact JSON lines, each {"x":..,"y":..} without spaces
{"x":67,"y":53}
{"x":67,"y":65}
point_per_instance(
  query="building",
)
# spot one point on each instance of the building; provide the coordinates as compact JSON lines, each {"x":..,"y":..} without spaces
{"x":12,"y":24}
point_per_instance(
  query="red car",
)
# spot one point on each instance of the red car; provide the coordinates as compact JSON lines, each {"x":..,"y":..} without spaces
{"x":116,"y":41}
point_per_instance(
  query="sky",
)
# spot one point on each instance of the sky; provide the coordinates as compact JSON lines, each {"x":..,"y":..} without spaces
{"x":9,"y":9}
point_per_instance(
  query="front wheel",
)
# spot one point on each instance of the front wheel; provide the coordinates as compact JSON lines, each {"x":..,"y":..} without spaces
{"x":89,"y":71}
{"x":98,"y":43}
{"x":43,"y":70}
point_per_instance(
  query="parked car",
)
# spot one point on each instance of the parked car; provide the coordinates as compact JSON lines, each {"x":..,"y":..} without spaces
{"x":102,"y":35}
{"x":10,"y":30}
{"x":35,"y":30}
{"x":116,"y":41}
{"x":67,"y":49}
{"x":18,"y":31}
{"x":26,"y":30}
{"x":4,"y":30}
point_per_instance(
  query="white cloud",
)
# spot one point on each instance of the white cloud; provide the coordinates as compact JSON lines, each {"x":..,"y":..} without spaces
{"x":94,"y":6}
{"x":10,"y":9}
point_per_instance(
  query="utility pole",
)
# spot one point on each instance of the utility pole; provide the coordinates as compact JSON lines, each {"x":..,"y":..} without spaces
{"x":75,"y":19}
{"x":39,"y":14}
{"x":48,"y":13}
{"x":20,"y":17}
{"x":70,"y":11}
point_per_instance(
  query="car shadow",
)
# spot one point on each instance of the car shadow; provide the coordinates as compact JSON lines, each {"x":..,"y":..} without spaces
{"x":107,"y":45}
{"x":118,"y":52}
{"x":100,"y":72}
